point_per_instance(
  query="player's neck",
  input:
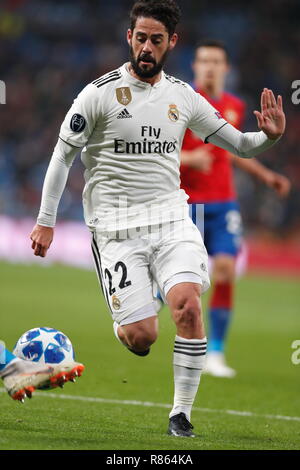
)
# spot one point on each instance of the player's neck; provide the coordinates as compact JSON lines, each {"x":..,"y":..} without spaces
{"x":214,"y":91}
{"x":151,"y":80}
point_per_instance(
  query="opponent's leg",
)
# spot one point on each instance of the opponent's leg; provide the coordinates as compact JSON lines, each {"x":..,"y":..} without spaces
{"x":223,"y":240}
{"x":220,"y":314}
{"x":5,"y":356}
{"x":21,"y":378}
{"x":189,"y":354}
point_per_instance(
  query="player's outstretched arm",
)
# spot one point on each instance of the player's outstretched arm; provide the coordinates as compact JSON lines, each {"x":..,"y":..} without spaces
{"x":207,"y":123}
{"x":271,"y":120}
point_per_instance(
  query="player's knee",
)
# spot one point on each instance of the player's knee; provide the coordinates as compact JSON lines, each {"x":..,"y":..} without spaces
{"x":141,"y":339}
{"x":224,"y":269}
{"x":188,"y":313}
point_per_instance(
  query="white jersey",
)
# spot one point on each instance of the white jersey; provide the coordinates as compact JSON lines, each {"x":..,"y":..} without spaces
{"x":132,"y":134}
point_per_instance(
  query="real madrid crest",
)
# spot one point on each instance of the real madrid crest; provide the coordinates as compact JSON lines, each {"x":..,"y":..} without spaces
{"x":116,"y":302}
{"x":124,"y":95}
{"x":173,"y":113}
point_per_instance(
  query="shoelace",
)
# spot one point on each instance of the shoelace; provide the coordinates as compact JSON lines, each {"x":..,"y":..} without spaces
{"x":186,"y":425}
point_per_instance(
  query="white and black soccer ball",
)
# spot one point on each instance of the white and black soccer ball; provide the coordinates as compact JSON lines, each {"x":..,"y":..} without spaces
{"x":45,"y":346}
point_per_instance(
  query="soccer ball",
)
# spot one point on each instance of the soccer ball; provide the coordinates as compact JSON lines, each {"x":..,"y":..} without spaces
{"x":45,"y":346}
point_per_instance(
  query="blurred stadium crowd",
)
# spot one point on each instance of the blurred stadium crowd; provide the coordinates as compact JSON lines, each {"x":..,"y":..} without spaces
{"x":49,"y":50}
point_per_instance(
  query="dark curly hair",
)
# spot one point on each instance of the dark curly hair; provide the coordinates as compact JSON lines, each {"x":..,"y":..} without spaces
{"x":207,"y":42}
{"x":165,"y":11}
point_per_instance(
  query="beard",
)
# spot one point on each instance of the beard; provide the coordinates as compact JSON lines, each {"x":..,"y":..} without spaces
{"x":143,"y":72}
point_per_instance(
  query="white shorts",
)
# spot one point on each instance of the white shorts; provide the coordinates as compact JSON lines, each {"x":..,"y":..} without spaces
{"x":131,"y":268}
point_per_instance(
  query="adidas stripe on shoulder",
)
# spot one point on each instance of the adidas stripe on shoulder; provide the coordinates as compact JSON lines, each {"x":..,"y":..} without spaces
{"x":175,"y":80}
{"x":109,"y":77}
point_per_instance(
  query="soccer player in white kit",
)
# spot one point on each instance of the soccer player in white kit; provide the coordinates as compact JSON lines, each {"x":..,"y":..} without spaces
{"x":130,"y":124}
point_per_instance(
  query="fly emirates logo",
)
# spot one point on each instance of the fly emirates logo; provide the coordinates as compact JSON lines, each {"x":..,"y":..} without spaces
{"x":149,"y":143}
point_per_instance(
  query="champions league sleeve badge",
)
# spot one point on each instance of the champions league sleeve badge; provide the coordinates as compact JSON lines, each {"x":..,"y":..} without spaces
{"x":77,"y":123}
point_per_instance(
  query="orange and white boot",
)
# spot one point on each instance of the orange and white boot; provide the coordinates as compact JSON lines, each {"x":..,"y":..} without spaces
{"x":21,"y":378}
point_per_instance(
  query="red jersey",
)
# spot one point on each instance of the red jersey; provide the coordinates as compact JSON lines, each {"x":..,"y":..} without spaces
{"x":218,"y":184}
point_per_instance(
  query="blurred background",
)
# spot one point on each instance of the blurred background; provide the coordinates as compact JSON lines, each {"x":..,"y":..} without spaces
{"x":50,"y":50}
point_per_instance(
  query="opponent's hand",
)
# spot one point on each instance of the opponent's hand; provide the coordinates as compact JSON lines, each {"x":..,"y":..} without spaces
{"x":280,"y":183}
{"x":41,"y":239}
{"x":200,"y":158}
{"x":271,"y":119}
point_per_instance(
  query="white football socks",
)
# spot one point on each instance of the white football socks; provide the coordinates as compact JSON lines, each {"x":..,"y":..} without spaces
{"x":188,"y":361}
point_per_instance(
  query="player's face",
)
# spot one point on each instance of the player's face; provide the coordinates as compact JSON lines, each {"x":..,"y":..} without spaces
{"x":149,"y":46}
{"x":210,"y":66}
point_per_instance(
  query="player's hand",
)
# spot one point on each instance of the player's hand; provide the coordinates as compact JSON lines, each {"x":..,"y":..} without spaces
{"x":271,"y":119}
{"x":201,"y":159}
{"x":41,"y":239}
{"x":280,"y":183}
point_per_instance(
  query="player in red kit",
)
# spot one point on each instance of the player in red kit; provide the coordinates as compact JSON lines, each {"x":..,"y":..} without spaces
{"x":207,"y":177}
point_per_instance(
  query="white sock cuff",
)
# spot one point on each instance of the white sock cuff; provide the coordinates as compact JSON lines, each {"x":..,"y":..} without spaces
{"x":189,"y":352}
{"x":196,"y":341}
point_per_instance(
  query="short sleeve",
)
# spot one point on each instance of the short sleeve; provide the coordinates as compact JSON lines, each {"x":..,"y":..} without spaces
{"x":81,"y":118}
{"x":205,"y":119}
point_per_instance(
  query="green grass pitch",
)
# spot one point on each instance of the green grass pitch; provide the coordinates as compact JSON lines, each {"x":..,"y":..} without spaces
{"x":266,"y":323}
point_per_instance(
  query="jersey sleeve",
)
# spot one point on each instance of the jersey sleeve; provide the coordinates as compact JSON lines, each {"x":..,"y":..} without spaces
{"x":205,"y":120}
{"x":55,"y":182}
{"x":81,"y":118}
{"x":245,"y":145}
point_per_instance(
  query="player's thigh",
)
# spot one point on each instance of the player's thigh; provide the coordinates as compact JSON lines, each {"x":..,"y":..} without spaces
{"x":123,"y":272}
{"x":180,"y":257}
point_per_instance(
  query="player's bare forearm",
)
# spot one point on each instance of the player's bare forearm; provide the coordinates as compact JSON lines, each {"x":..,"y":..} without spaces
{"x":251,"y":166}
{"x":199,"y":158}
{"x":41,"y":239}
{"x":279,"y":183}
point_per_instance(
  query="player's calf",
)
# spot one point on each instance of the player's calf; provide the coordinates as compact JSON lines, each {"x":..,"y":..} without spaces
{"x":189,"y":355}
